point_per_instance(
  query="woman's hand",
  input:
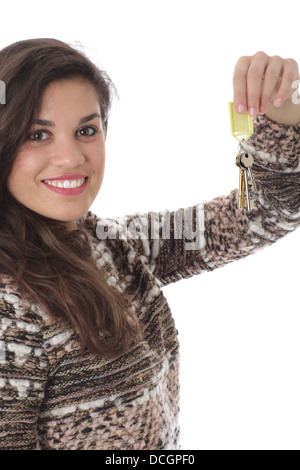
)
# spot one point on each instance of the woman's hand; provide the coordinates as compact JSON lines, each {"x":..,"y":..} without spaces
{"x":265,"y":84}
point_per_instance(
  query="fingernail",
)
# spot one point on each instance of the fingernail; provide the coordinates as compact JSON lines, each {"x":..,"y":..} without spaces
{"x":262,"y":109}
{"x":278,"y":102}
{"x":252,"y":111}
{"x":241,"y":108}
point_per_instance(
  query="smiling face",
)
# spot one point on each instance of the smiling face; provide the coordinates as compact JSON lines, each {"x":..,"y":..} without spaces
{"x":59,"y":169}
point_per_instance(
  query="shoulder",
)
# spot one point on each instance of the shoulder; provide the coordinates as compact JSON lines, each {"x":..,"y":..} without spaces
{"x":110,"y":238}
{"x":122,"y":248}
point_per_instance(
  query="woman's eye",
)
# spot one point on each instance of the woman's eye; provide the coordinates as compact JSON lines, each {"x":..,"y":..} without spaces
{"x":86,"y":132}
{"x":38,"y":135}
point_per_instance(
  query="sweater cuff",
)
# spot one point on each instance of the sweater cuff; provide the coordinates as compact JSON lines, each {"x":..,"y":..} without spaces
{"x":275,"y":146}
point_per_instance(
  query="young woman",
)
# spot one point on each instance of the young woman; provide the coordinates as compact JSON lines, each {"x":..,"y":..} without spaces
{"x":88,"y":345}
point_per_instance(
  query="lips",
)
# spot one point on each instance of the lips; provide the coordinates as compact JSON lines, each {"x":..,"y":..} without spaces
{"x":67,"y":185}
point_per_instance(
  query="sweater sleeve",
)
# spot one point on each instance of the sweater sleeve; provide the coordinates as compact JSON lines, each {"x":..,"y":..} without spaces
{"x":179,"y":244}
{"x":23,"y":371}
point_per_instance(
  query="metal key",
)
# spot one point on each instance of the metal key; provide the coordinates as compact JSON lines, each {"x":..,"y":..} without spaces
{"x":244,"y":199}
{"x":246,"y":161}
{"x":241,"y":196}
{"x":247,"y":186}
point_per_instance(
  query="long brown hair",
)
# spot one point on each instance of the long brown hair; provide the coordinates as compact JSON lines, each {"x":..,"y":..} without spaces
{"x":49,"y":264}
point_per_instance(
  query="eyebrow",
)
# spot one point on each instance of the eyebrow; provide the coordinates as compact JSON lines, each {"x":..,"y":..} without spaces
{"x":44,"y":122}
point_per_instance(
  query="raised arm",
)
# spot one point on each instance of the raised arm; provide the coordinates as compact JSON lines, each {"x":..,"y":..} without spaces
{"x":178,"y":244}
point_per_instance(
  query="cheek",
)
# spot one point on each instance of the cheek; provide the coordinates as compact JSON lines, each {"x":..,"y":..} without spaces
{"x":25,"y":168}
{"x":14,"y":177}
{"x":21,"y":181}
{"x":99,"y":161}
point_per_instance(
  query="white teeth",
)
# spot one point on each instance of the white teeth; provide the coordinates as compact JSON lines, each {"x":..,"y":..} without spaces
{"x":66,"y":184}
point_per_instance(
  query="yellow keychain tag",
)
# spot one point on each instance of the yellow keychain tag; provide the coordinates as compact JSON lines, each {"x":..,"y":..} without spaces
{"x":241,"y":124}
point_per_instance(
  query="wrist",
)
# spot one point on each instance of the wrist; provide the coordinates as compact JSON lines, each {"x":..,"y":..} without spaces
{"x":288,"y":113}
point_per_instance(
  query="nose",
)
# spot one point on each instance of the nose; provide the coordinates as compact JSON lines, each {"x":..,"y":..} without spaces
{"x":66,"y":152}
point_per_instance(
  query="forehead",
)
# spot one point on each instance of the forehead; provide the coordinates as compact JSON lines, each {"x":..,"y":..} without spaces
{"x":76,"y":93}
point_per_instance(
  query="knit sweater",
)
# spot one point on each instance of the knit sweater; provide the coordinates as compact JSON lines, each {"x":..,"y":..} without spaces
{"x":52,"y":397}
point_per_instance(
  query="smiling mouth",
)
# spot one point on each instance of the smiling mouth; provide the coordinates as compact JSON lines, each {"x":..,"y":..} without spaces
{"x":66,"y":184}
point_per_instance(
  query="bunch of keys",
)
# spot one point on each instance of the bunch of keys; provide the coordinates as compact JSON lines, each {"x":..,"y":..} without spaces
{"x":247,"y":186}
{"x":242,"y":129}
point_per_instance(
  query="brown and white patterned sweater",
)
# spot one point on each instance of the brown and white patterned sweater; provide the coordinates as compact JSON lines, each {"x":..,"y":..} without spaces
{"x":53,"y":398}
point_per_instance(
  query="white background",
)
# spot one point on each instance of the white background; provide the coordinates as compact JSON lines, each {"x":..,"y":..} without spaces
{"x":169,"y":145}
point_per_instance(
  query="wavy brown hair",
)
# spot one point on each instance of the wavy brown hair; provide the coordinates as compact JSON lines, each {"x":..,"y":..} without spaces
{"x":49,"y":264}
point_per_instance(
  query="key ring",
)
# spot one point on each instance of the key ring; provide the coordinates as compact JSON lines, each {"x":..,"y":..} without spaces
{"x":240,"y":148}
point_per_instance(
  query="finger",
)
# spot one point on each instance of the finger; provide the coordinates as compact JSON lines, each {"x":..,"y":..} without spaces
{"x":290,"y":73}
{"x":239,"y":84}
{"x":254,"y":82}
{"x":273,"y":73}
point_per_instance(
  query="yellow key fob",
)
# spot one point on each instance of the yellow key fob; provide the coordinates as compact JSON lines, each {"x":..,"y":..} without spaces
{"x":241,"y":124}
